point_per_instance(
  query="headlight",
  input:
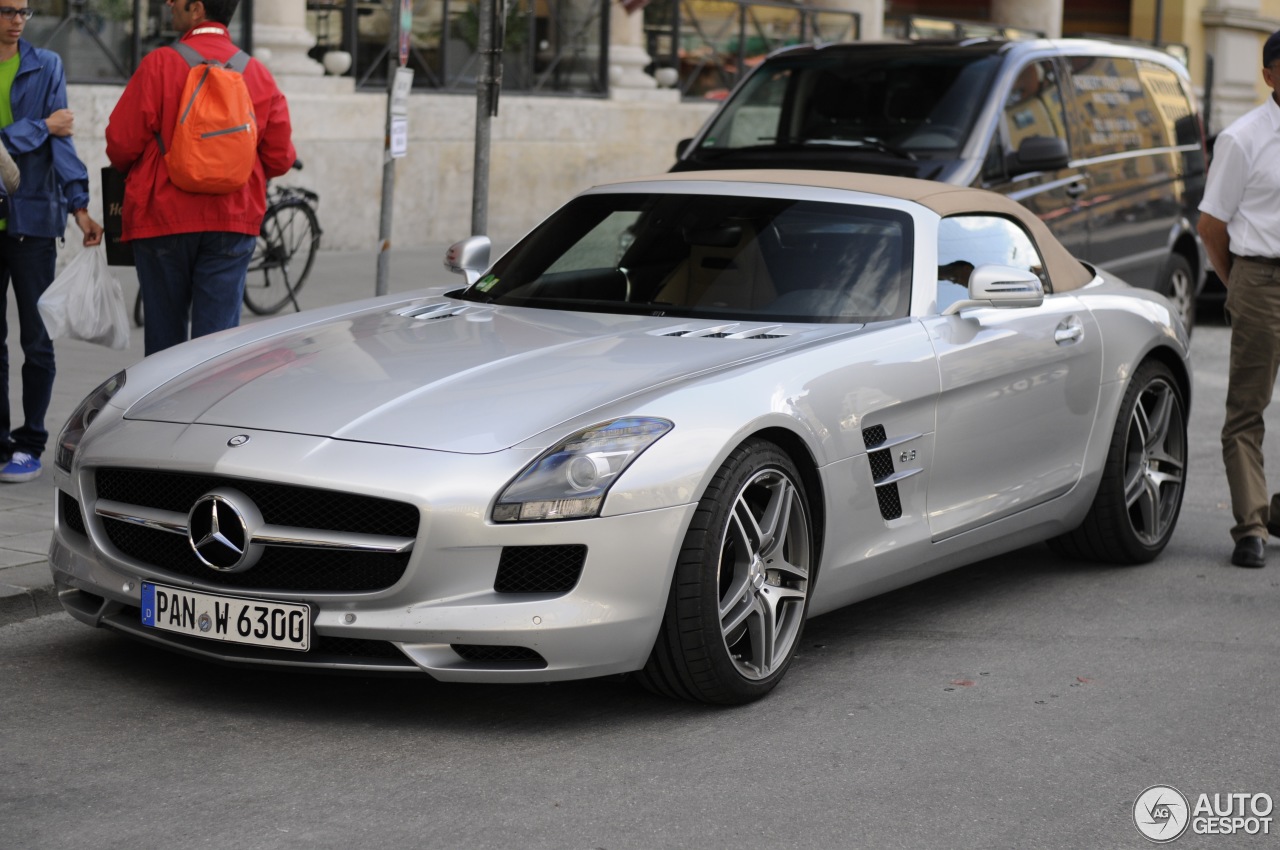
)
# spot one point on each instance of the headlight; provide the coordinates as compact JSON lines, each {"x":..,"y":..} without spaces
{"x":73,"y":431}
{"x":570,"y":480}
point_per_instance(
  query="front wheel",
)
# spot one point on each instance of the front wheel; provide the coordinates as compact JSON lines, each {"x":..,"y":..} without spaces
{"x":282,"y":258}
{"x":1140,"y":495}
{"x":741,"y":586}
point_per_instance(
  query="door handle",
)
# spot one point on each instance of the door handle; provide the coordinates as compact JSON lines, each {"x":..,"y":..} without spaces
{"x":1070,"y":331}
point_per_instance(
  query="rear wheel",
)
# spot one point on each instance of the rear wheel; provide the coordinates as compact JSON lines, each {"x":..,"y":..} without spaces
{"x":1140,"y":495}
{"x":741,"y":586}
{"x":1178,"y":284}
{"x":282,"y":258}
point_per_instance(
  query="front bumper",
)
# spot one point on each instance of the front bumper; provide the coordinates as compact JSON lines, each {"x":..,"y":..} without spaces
{"x":443,"y":616}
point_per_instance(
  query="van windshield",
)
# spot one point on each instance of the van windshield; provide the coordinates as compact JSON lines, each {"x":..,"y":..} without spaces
{"x":899,"y":102}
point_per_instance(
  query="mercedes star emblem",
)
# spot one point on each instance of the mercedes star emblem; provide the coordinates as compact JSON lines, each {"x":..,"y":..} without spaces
{"x":220,"y":530}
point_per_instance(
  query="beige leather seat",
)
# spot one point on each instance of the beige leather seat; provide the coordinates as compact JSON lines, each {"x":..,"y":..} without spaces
{"x":731,"y":276}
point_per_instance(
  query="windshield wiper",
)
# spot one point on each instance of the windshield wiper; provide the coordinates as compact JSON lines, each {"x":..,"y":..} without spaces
{"x":873,"y":143}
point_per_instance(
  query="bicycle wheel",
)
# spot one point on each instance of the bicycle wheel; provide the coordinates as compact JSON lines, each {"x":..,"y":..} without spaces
{"x":282,"y":258}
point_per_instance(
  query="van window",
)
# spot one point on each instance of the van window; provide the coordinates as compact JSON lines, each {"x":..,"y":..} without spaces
{"x":968,"y":241}
{"x":1114,"y":113}
{"x":1034,"y":106}
{"x":895,"y":99}
{"x":759,"y":114}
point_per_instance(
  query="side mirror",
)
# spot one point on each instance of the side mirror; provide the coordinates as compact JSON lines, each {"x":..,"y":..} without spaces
{"x":468,"y":257}
{"x":682,"y":146}
{"x":993,"y":285}
{"x":1042,"y":153}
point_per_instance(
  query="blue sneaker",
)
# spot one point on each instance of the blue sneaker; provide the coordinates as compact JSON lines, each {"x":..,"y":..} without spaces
{"x":21,"y":467}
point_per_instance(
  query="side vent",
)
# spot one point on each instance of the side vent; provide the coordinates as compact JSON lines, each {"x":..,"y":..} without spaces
{"x":883,"y":474}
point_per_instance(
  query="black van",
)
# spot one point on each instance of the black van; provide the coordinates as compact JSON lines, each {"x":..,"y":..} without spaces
{"x":1103,"y":141}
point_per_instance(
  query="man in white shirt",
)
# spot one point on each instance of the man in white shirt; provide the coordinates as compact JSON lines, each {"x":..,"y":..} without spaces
{"x":1240,"y":226}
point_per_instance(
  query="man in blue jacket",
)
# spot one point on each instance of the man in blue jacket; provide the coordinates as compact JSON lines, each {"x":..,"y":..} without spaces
{"x":35,"y":128}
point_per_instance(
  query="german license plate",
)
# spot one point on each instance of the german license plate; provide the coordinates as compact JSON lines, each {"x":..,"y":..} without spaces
{"x":256,"y":622}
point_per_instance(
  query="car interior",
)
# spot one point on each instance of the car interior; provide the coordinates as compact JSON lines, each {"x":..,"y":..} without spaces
{"x":729,"y":258}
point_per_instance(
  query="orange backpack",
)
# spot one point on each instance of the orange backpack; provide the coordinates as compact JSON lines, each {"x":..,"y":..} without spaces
{"x":215,"y":142}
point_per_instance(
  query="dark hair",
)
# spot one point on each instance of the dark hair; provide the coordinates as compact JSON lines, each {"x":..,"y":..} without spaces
{"x":220,"y":10}
{"x":1271,"y":50}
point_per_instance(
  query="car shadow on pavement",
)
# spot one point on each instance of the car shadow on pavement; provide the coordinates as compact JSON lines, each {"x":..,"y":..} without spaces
{"x":961,"y":601}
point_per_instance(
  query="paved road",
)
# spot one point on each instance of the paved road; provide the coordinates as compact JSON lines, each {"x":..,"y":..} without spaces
{"x":1022,"y":702}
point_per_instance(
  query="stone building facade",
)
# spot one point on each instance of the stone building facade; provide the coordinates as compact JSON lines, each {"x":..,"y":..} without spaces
{"x":545,"y":148}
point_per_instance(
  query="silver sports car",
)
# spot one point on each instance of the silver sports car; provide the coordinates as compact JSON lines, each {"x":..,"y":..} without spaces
{"x":674,"y":421}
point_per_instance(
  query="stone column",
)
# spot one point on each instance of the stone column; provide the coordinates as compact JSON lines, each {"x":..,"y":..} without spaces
{"x":627,"y":55}
{"x":280,"y":26}
{"x":1043,"y":15}
{"x":1233,"y":35}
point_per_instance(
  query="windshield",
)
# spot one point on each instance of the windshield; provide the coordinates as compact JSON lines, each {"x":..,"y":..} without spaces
{"x":764,"y":259}
{"x":906,"y":103}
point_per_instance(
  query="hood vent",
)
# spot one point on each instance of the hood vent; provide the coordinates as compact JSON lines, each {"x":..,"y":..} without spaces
{"x":426,"y":312}
{"x":734,"y":331}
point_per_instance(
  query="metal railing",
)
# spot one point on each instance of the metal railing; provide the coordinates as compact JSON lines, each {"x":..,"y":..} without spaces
{"x":711,"y":44}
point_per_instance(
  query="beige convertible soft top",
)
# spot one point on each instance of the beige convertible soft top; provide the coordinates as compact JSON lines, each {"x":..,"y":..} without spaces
{"x":1065,"y":271}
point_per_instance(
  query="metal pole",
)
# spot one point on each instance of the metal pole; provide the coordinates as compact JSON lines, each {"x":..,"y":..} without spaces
{"x":1159,"y":39}
{"x":486,"y":102}
{"x":135,"y":41}
{"x":388,"y":168}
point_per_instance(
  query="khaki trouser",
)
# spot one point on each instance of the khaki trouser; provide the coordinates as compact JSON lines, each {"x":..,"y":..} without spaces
{"x":1253,"y":305}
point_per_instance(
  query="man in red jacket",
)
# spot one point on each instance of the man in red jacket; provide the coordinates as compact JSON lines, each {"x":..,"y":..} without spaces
{"x":192,"y":250}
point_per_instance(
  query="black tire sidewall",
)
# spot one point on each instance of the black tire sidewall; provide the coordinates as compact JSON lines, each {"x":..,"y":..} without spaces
{"x":701,"y":553}
{"x":1113,"y":475}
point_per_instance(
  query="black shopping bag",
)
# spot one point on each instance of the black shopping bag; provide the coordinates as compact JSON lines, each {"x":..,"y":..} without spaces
{"x":118,"y":253}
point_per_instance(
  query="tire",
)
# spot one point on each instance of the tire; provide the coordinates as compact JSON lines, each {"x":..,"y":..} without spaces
{"x":1178,"y":284}
{"x":1138,"y":500}
{"x":282,"y":258}
{"x":749,"y":554}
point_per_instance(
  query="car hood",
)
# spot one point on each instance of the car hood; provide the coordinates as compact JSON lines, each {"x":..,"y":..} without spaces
{"x":444,"y":375}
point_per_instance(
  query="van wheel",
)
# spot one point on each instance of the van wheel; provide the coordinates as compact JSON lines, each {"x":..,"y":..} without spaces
{"x":1178,"y":284}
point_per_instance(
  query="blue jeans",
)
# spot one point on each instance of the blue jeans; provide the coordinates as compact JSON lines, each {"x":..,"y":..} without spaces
{"x":190,"y":279}
{"x":30,"y":262}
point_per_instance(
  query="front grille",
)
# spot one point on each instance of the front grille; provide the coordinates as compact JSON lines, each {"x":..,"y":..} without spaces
{"x":69,"y":510}
{"x":281,"y":568}
{"x":539,"y":569}
{"x":354,"y":647}
{"x":499,"y":654}
{"x":280,"y":504}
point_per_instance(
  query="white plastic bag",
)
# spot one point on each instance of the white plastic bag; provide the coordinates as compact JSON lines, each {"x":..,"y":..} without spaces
{"x":86,"y":302}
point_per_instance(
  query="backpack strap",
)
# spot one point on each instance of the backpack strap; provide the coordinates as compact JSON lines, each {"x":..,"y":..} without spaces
{"x":188,"y":53}
{"x":239,"y":61}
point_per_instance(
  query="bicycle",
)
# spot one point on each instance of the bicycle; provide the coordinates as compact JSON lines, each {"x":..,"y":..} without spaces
{"x":284,"y":253}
